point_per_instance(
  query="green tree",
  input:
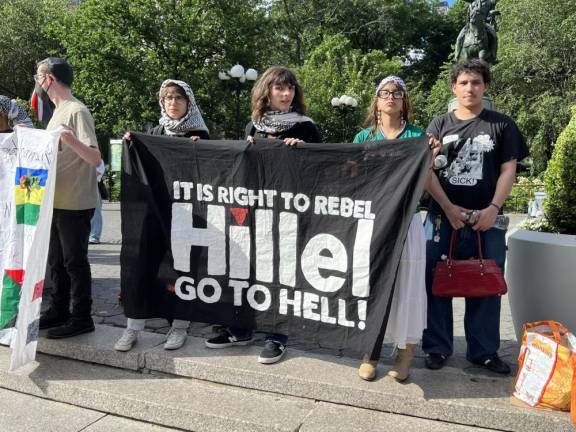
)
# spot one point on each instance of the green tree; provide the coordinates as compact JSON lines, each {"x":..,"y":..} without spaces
{"x":122,"y":51}
{"x":398,"y":28}
{"x":334,"y":69}
{"x":560,"y":182}
{"x":25,"y":40}
{"x":535,"y":79}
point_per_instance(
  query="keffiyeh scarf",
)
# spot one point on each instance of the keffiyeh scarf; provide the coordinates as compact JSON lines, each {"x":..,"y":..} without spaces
{"x":274,"y":122}
{"x":192,"y":121}
{"x":15,"y":113}
{"x":394,"y":79}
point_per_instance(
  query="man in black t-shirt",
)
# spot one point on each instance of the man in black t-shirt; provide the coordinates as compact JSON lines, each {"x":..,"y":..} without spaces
{"x":481,"y":148}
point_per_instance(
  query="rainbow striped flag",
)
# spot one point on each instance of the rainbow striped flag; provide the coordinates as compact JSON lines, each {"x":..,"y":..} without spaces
{"x":27,"y":181}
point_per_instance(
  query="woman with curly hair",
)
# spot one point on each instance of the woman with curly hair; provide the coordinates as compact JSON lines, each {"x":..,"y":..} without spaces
{"x":278,"y":112}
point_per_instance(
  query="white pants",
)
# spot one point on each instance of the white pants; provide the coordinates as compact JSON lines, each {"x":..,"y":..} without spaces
{"x":138,"y":324}
{"x":408,"y":311}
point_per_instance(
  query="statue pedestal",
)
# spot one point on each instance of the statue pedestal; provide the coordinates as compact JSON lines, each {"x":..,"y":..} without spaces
{"x":487,"y":101}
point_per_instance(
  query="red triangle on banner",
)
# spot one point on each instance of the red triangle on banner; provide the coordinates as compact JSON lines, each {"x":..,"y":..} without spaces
{"x":16,"y":275}
{"x":239,"y":214}
{"x":38,"y":289}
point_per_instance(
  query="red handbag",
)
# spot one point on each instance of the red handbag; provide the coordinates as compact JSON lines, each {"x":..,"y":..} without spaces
{"x":467,"y":278}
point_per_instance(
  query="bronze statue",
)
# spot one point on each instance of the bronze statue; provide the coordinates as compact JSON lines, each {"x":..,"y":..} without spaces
{"x":478,"y":37}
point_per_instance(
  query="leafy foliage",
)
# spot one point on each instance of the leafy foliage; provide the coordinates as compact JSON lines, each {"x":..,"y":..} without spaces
{"x":560,"y":181}
{"x":124,"y":50}
{"x":396,"y":27}
{"x":334,"y":69}
{"x":25,"y":41}
{"x":535,"y":80}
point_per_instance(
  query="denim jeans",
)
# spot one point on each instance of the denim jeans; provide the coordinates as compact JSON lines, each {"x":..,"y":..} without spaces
{"x":96,"y":224}
{"x":482,"y":315}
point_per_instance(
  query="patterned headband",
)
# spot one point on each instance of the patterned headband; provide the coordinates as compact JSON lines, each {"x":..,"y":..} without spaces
{"x":394,"y":79}
{"x":15,"y":113}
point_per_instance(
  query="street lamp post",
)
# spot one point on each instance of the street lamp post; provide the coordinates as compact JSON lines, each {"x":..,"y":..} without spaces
{"x":344,"y":104}
{"x":240,"y":77}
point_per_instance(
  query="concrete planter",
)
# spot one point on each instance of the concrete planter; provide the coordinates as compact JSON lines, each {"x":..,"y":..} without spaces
{"x":541,"y":276}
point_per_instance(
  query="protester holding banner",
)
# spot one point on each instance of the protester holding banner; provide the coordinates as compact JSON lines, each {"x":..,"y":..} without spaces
{"x":12,"y":114}
{"x":388,"y":118}
{"x":180,"y":117}
{"x":481,"y":147}
{"x":74,"y":203}
{"x":278,"y":112}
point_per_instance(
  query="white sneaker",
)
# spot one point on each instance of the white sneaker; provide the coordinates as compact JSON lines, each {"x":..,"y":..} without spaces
{"x":175,"y":338}
{"x":127,"y":340}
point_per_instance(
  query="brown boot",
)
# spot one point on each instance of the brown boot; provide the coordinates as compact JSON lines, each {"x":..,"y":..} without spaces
{"x":401,"y":369}
{"x":367,"y":370}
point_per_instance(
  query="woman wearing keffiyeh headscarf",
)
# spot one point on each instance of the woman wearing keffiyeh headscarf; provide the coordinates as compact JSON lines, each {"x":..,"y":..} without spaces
{"x":278,"y":112}
{"x":180,"y":114}
{"x":389,"y":117}
{"x":12,"y":114}
{"x":179,"y":117}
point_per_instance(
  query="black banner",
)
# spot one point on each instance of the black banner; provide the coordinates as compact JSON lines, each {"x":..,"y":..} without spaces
{"x":299,"y":241}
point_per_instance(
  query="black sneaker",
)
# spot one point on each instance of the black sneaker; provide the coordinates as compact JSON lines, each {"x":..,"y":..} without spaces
{"x":272,"y":352}
{"x":226,"y":339}
{"x":435,"y":361}
{"x":71,"y":328}
{"x":496,"y":365}
{"x":51,"y":318}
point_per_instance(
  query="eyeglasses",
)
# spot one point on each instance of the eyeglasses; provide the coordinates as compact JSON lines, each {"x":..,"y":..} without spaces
{"x":385,"y":94}
{"x":176,"y":99}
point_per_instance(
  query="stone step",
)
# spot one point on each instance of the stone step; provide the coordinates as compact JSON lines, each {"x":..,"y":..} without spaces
{"x":176,"y":402}
{"x":21,"y":412}
{"x":453,"y":395}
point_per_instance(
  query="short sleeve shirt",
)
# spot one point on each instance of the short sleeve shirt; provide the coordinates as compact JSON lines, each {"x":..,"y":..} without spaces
{"x":76,"y":184}
{"x":409,"y":131}
{"x":475,"y":150}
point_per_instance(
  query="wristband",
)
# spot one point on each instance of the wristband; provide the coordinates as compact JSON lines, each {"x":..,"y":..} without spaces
{"x":496,"y":205}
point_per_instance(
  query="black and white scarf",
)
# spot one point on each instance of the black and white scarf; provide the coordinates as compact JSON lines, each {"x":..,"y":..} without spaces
{"x":15,"y":112}
{"x":275,"y":122}
{"x":192,"y":121}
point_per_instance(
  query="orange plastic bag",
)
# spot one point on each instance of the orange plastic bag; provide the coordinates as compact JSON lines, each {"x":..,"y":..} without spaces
{"x":573,"y":408}
{"x":546,"y":366}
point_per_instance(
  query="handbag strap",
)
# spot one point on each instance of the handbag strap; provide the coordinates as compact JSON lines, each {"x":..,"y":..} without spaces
{"x":453,"y":238}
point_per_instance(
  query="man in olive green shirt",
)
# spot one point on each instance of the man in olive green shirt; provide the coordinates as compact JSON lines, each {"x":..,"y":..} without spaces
{"x":75,"y":198}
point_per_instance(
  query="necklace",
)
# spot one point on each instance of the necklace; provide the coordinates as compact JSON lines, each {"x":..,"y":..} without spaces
{"x":394,"y":132}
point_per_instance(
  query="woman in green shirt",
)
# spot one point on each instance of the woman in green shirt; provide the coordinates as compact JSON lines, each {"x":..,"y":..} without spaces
{"x":389,"y":117}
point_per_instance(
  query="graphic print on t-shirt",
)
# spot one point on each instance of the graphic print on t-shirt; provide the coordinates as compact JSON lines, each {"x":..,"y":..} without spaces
{"x":466,"y":168}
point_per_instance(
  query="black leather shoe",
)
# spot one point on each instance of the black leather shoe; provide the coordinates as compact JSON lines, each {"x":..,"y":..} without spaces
{"x":71,"y":328}
{"x":51,"y":318}
{"x":496,"y":365}
{"x":435,"y":361}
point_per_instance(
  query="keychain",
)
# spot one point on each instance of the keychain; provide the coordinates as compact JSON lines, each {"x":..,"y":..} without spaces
{"x":437,"y":224}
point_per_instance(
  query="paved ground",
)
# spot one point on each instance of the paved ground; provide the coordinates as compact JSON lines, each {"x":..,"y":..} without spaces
{"x":104,"y":259}
{"x":47,"y":416}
